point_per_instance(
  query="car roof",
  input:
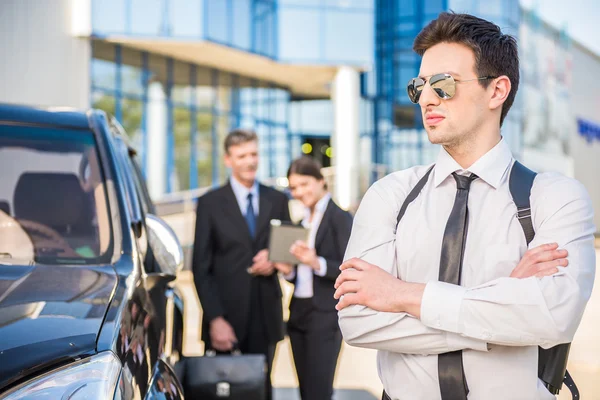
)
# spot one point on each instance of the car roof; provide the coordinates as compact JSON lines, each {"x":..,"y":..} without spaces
{"x":57,"y":116}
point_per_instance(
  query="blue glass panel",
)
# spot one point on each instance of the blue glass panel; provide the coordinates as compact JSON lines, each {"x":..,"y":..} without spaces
{"x":462,"y":6}
{"x":408,"y":8}
{"x":104,"y":74}
{"x":132,"y":80}
{"x":217,"y":20}
{"x":492,"y":9}
{"x":146,"y":17}
{"x":434,"y":6}
{"x":241,"y":23}
{"x":315,"y":117}
{"x":348,"y":36}
{"x":108,"y":16}
{"x":299,"y":34}
{"x":187,"y":17}
{"x":304,"y":3}
{"x":350,"y":4}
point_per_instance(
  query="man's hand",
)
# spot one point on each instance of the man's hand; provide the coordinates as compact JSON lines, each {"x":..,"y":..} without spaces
{"x":262,"y":265}
{"x":368,"y":285}
{"x":541,"y":261}
{"x":305,"y":254}
{"x":222,"y":336}
{"x":284,"y":268}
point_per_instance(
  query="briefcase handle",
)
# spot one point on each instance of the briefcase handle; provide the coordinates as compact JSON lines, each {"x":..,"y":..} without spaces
{"x":210,"y":352}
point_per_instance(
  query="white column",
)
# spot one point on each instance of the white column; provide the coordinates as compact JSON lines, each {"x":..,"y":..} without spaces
{"x":345,"y":96}
{"x":157,"y":140}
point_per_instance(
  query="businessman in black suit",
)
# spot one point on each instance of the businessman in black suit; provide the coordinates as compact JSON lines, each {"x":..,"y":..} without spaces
{"x":237,"y":284}
{"x":313,"y":324}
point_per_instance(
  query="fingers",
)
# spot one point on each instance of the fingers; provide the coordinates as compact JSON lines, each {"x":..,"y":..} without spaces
{"x":345,"y":288}
{"x":536,"y":252}
{"x":356,"y":263}
{"x":261,"y":256}
{"x":549,"y":255}
{"x":262,"y":268}
{"x":540,"y":269}
{"x":550,"y":265}
{"x":345,"y":276}
{"x":348,"y":300}
{"x":547,"y":272}
{"x":222,"y":345}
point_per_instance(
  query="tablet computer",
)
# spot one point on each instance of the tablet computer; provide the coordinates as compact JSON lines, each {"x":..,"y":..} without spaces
{"x":283,"y":235}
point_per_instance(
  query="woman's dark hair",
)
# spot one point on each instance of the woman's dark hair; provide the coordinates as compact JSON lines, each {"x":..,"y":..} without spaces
{"x":307,"y":166}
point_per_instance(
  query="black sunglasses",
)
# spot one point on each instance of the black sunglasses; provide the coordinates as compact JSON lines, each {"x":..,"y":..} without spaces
{"x":444,"y":86}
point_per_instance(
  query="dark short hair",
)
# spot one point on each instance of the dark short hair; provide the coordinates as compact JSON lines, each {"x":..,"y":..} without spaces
{"x":307,"y":166}
{"x":496,"y":53}
{"x":239,"y":136}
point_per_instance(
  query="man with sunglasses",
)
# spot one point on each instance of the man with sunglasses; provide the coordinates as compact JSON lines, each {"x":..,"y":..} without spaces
{"x":457,"y":315}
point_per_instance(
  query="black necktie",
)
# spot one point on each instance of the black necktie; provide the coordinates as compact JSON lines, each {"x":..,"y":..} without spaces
{"x":250,"y":217}
{"x":453,"y":385}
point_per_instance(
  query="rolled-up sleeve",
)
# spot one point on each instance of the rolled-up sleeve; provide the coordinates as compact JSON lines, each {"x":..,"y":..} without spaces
{"x":533,"y":311}
{"x":373,"y":240}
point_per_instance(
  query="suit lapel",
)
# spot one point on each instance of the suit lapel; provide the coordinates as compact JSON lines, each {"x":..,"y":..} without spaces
{"x":264,"y":207}
{"x":232,"y":210}
{"x":324,"y":225}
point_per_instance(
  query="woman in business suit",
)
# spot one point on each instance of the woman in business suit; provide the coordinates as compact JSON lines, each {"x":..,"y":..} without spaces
{"x":313,"y":324}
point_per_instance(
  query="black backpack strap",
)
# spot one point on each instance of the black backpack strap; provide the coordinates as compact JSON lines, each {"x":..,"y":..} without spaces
{"x":552,"y":362}
{"x":414,"y":193}
{"x":520,"y":183}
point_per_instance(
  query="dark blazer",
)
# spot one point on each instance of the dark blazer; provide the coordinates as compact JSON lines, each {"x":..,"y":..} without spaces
{"x":223,"y":251}
{"x":330,"y":243}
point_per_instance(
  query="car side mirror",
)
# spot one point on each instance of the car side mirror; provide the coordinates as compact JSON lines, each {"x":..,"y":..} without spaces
{"x":164,"y":244}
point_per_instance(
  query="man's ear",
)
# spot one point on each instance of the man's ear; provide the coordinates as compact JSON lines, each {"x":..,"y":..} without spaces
{"x":227,"y":160}
{"x":500,"y":89}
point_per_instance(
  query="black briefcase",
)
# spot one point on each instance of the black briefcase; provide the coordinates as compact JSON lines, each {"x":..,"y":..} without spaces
{"x":232,"y":376}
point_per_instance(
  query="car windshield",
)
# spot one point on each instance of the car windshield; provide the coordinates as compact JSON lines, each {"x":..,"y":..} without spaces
{"x":53,"y":204}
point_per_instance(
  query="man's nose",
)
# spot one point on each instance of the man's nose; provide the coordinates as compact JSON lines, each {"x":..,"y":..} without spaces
{"x":428,"y":97}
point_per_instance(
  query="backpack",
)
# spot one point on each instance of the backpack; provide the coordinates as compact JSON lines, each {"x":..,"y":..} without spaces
{"x":552,"y":362}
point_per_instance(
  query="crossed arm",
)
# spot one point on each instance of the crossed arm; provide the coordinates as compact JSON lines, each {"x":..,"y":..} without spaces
{"x":541,"y":303}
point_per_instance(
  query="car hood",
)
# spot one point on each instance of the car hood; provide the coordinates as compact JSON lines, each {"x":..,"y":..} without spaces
{"x":49,"y":315}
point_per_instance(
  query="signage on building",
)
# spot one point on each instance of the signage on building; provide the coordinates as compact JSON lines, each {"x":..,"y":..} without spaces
{"x":589,"y":130}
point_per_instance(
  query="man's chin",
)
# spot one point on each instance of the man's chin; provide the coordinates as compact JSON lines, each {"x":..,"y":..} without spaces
{"x":434,"y":136}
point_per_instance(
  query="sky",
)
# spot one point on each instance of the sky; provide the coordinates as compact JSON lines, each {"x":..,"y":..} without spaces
{"x":581,"y":18}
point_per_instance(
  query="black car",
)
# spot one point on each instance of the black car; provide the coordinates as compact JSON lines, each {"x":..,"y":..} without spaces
{"x":88,"y":306}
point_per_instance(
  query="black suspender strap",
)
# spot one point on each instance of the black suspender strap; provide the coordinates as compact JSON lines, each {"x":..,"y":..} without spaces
{"x":552,"y":365}
{"x":520,"y":183}
{"x":413,"y":195}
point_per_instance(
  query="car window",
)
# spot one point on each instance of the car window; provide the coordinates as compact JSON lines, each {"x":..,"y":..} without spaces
{"x":140,"y":184}
{"x":53,"y":203}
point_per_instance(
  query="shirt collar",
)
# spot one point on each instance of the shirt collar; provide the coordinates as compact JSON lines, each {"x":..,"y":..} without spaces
{"x":490,"y":167}
{"x":320,"y":207}
{"x":241,"y":191}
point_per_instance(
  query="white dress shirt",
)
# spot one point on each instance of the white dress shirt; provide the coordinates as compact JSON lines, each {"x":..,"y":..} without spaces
{"x":497,"y":321}
{"x":241,"y":195}
{"x":304,"y":280}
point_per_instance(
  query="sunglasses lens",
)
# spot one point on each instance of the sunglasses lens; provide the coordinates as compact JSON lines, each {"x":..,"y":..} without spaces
{"x":414,"y":89}
{"x":443,"y":85}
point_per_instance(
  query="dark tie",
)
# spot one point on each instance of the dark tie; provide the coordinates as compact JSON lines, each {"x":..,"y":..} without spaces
{"x":250,"y":217}
{"x":453,"y":385}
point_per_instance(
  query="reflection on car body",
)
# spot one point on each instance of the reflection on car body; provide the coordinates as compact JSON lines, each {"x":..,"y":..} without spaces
{"x":88,"y":308}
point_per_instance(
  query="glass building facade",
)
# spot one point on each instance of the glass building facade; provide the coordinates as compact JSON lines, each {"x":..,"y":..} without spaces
{"x":202,"y":102}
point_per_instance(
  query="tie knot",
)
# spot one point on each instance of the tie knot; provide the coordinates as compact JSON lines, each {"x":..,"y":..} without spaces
{"x":249,"y":196}
{"x":462,"y":181}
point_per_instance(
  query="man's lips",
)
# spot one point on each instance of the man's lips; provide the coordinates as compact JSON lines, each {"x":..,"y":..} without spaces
{"x":433,"y":119}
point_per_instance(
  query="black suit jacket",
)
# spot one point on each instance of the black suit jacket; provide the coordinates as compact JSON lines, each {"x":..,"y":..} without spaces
{"x":223,"y":251}
{"x":330,"y":243}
